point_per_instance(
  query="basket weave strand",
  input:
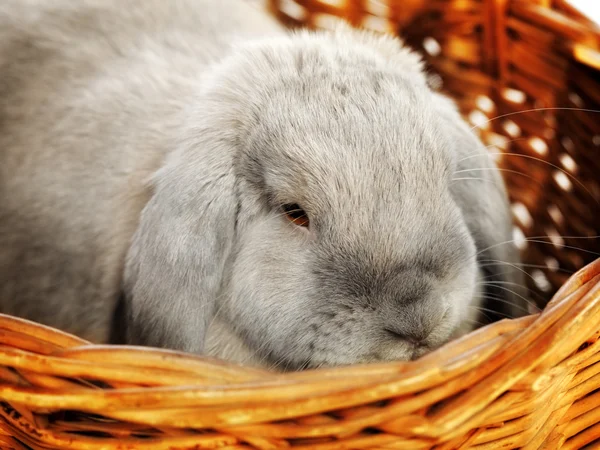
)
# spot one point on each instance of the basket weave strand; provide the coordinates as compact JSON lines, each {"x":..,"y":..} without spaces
{"x":518,"y":383}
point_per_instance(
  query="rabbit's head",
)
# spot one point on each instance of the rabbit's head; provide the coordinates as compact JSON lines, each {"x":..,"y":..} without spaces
{"x":310,"y":202}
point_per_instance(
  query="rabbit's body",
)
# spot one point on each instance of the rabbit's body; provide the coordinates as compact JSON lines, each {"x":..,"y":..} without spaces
{"x":97,"y":98}
{"x":90,"y":94}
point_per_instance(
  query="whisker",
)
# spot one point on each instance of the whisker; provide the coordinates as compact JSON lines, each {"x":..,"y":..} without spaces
{"x":474,"y":322}
{"x":533,"y":294}
{"x":570,"y":247}
{"x":497,"y":282}
{"x":572,"y":177}
{"x":477,"y":154}
{"x":494,"y":283}
{"x":472,"y":178}
{"x":533,"y":239}
{"x":500,"y":170}
{"x":508,"y":264}
{"x":488,"y":318}
{"x":482,"y":309}
{"x":501,"y":298}
{"x":477,"y":168}
{"x":531,"y":266}
{"x":533,"y":110}
{"x":506,"y":302}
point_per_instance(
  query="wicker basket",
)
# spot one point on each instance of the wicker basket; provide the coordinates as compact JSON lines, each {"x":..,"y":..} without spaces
{"x":528,"y":383}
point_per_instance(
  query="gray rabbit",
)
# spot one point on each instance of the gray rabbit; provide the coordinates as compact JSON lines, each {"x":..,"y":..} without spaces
{"x":186,"y":174}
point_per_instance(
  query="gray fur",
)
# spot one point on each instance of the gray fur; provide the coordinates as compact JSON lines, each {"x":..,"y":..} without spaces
{"x":147,"y":151}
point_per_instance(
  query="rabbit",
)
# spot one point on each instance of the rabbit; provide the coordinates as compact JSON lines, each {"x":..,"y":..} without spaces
{"x":190,"y":175}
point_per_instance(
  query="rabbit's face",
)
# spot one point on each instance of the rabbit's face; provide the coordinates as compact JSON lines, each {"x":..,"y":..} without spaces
{"x":311,"y":206}
{"x":350,"y":247}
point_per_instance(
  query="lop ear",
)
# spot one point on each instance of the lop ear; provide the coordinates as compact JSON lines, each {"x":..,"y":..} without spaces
{"x":176,"y":261}
{"x":503,"y":280}
{"x":480,"y":192}
{"x":487,"y":213}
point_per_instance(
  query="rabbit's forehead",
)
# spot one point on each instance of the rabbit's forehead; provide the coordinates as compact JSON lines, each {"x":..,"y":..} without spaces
{"x":367,"y":117}
{"x":360,"y":148}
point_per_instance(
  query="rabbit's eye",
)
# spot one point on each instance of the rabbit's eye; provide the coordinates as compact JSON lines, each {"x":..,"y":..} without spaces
{"x":296,"y":215}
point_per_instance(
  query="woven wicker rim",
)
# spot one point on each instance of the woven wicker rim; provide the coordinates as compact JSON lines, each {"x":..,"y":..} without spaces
{"x":461,"y":385}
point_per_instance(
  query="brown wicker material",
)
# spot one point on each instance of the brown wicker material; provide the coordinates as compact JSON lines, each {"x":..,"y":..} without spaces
{"x":528,"y":383}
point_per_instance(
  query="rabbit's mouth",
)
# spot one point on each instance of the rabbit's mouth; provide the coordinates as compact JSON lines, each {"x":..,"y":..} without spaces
{"x":421,"y":350}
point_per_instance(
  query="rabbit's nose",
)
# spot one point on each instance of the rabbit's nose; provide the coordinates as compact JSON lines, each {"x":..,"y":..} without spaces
{"x":414,"y":322}
{"x":415,"y":336}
